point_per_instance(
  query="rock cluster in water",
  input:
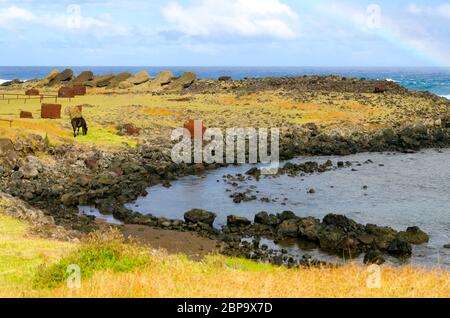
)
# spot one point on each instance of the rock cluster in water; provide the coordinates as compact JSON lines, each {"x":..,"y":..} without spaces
{"x":335,"y":233}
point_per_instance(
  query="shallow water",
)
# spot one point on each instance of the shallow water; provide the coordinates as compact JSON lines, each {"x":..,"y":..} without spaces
{"x":91,"y":211}
{"x":402,"y":190}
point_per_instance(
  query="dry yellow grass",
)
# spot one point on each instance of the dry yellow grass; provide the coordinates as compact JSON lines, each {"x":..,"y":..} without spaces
{"x":220,"y":277}
{"x":42,"y":126}
{"x":159,"y":112}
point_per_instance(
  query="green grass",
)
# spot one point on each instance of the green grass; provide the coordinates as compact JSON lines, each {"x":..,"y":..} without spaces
{"x":105,"y":136}
{"x":249,"y":266}
{"x":106,"y":112}
{"x":99,"y":252}
{"x":20,"y":257}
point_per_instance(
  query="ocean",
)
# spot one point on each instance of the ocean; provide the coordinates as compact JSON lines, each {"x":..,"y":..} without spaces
{"x":434,"y":80}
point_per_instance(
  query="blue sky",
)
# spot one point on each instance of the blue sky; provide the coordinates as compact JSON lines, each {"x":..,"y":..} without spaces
{"x":225,"y":32}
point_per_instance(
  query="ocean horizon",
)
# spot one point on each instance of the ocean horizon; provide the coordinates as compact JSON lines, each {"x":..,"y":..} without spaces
{"x":433,"y":79}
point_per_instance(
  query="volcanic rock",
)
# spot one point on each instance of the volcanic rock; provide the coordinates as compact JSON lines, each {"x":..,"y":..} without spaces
{"x":237,"y":221}
{"x":200,"y":216}
{"x":414,"y":235}
{"x":374,"y":257}
{"x":399,"y":247}
{"x":288,"y":228}
{"x":265,"y":219}
{"x":8,"y":155}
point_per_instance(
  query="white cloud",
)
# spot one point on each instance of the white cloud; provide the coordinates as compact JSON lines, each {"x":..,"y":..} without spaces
{"x":442,"y":10}
{"x":249,"y":18}
{"x":414,"y":9}
{"x":352,"y":20}
{"x":13,"y":15}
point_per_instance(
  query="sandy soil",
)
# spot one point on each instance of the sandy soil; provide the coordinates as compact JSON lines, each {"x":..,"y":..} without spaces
{"x":172,"y":241}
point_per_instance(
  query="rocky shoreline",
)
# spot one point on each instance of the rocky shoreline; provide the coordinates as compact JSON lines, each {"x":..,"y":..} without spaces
{"x":336,"y":234}
{"x":74,"y":176}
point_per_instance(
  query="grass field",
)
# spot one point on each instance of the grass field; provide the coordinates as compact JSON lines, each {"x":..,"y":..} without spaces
{"x":32,"y":267}
{"x":158,"y":115}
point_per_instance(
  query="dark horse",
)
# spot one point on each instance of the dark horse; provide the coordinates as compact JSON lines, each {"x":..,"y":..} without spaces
{"x":77,"y":124}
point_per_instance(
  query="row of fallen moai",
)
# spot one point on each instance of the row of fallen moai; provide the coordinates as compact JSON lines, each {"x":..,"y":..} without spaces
{"x":140,"y":81}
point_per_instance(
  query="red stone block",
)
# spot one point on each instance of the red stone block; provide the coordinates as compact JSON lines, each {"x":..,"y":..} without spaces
{"x":51,"y":111}
{"x":27,"y":115}
{"x":32,"y":92}
{"x":132,"y":130}
{"x":190,"y":126}
{"x":66,"y":92}
{"x":381,"y":88}
{"x":200,"y":167}
{"x":79,"y":90}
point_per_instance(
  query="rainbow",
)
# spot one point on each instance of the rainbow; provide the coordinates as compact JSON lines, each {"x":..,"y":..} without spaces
{"x":424,"y":51}
{"x":428,"y":52}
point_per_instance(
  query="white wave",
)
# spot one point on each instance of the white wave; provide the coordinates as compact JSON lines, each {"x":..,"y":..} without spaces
{"x":446,"y":96}
{"x":4,"y":81}
{"x":391,"y":80}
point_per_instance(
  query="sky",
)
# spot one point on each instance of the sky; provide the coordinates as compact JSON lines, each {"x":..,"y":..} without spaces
{"x":225,"y":33}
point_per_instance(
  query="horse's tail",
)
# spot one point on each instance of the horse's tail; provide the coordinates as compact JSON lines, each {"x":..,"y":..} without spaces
{"x":84,"y":126}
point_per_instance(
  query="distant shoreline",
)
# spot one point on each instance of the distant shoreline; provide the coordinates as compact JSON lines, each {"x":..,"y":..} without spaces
{"x":433,"y":79}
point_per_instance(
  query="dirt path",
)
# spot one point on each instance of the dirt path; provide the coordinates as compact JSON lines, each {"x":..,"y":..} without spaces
{"x":173,"y":241}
